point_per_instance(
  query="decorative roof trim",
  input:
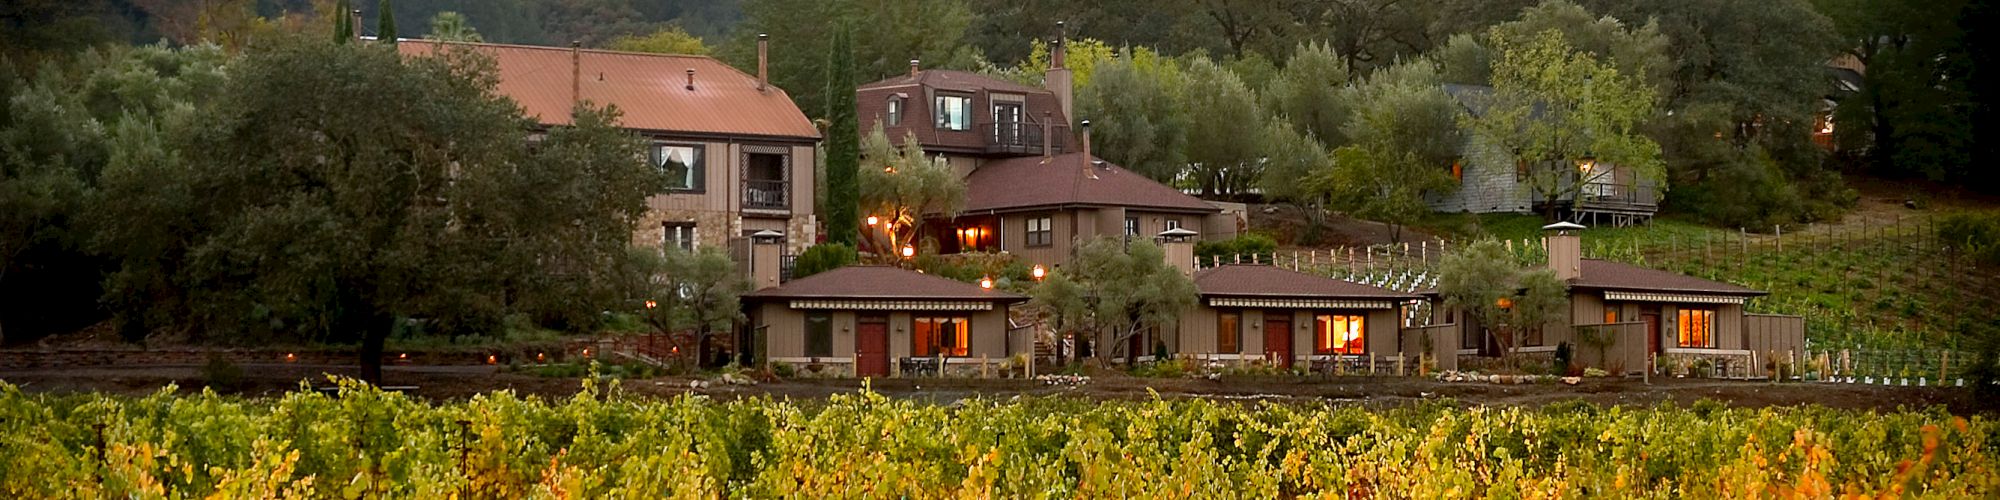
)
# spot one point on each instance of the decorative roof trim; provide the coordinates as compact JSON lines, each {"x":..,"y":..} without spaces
{"x":1300,"y":303}
{"x":1672,"y":297}
{"x":894,"y":305}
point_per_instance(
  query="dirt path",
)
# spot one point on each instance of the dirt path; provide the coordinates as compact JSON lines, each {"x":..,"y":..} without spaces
{"x":458,"y":382}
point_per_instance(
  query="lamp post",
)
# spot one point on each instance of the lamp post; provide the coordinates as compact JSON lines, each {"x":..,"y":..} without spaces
{"x":1039,"y":272}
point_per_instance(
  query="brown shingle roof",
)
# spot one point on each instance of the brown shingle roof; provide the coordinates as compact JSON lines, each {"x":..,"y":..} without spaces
{"x":650,"y":89}
{"x":1035,"y":182}
{"x":880,"y":282}
{"x":1261,"y":280}
{"x":1607,"y":275}
{"x":964,"y":81}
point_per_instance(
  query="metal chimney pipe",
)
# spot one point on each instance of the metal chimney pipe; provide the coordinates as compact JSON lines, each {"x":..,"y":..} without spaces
{"x":763,"y":61}
{"x":690,"y":79}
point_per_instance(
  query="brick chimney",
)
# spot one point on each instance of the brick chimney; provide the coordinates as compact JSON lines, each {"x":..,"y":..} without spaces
{"x":764,"y":266}
{"x":913,"y":67}
{"x":763,"y":61}
{"x":1565,"y":249}
{"x":1178,"y":245}
{"x":1058,"y":78}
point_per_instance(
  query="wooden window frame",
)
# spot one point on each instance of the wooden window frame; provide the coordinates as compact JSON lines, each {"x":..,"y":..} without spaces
{"x":818,"y":344}
{"x":1040,"y":237}
{"x":922,"y":350}
{"x":1694,"y":328}
{"x":1229,"y":332}
{"x":693,"y":235}
{"x":1323,"y":334}
{"x":698,"y":170}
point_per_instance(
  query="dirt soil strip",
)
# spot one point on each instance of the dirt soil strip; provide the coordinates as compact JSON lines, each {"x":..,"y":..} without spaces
{"x":459,"y":382}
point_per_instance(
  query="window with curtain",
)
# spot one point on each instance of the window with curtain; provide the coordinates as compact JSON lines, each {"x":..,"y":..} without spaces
{"x":953,"y":112}
{"x":1338,"y":334}
{"x":1697,"y":328}
{"x":819,"y":334}
{"x":681,"y":163}
{"x":948,"y":336}
{"x":1228,"y":329}
{"x":895,"y":111}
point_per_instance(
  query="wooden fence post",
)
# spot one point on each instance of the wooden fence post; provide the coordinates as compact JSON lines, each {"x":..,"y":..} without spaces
{"x":1944,"y":366}
{"x":1400,"y":358}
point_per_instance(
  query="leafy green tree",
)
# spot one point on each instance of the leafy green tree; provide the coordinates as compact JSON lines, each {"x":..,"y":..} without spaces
{"x":385,"y":24}
{"x":1137,"y":121}
{"x":1464,"y":60}
{"x":699,"y":292}
{"x":1405,"y":134}
{"x":1552,"y":106}
{"x":902,"y":188}
{"x":1306,"y":94}
{"x":843,"y":145}
{"x":1483,"y":282}
{"x":343,"y":26}
{"x":449,"y":26}
{"x":1638,"y":52}
{"x":822,"y":258}
{"x":1289,"y":159}
{"x":1220,"y":161}
{"x":1914,"y":113}
{"x":290,"y":225}
{"x":1116,"y":290}
{"x":672,"y":40}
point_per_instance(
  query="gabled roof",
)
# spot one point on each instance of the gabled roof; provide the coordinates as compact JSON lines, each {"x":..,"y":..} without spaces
{"x":1032,"y":182}
{"x":880,"y":283}
{"x":1606,"y":275}
{"x":649,"y":89}
{"x":1263,"y":280}
{"x":963,"y":81}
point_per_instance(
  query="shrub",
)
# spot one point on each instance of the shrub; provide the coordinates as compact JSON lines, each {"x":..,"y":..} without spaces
{"x":822,"y":258}
{"x":222,"y":373}
{"x":1978,"y":235}
{"x":1252,"y":246}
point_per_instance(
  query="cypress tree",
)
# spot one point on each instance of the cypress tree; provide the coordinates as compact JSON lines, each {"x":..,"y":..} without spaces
{"x":342,"y":29}
{"x":843,"y":144}
{"x":385,"y":24}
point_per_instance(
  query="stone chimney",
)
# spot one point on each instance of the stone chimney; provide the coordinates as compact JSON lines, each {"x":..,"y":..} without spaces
{"x":1089,"y":162}
{"x":1058,"y":78}
{"x":763,"y":61}
{"x":764,"y":266}
{"x":1565,"y":249}
{"x":913,"y":67}
{"x":1178,"y":244}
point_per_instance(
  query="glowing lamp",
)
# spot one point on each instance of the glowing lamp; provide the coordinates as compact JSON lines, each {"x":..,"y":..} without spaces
{"x":541,"y":356}
{"x":909,"y":251}
{"x":1038,"y":272}
{"x":872,"y":220}
{"x":652,"y":304}
{"x":1586,"y":164}
{"x":289,"y":357}
{"x":1504,"y":303}
{"x":491,"y":359}
{"x":986,"y":282}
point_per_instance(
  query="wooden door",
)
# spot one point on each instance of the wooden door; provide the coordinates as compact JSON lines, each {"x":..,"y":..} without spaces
{"x":871,"y":347}
{"x":1278,"y":338}
{"x":1652,"y":332}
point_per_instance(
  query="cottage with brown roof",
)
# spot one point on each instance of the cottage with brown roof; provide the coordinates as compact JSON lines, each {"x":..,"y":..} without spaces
{"x":1254,"y":312}
{"x":1622,"y":317}
{"x":737,"y":151}
{"x":1029,"y":192}
{"x":877,"y":321}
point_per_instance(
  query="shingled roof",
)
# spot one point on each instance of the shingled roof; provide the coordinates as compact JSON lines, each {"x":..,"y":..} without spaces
{"x":964,"y":81}
{"x":1262,"y":280}
{"x":1606,"y":275}
{"x":1034,"y":182}
{"x":880,"y":283}
{"x":651,"y":90}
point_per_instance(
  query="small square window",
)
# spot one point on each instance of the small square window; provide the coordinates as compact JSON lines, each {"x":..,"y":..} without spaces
{"x":819,"y":334}
{"x":681,"y":164}
{"x":1131,"y":226}
{"x":679,"y":235}
{"x":953,"y":112}
{"x":1041,"y":231}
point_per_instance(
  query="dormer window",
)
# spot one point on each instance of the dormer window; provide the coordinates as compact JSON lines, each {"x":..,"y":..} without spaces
{"x":895,"y":110}
{"x":953,"y":112}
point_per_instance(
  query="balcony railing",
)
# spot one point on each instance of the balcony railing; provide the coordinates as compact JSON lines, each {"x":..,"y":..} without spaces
{"x":1603,"y":193}
{"x":767,"y":194}
{"x":1024,"y":138}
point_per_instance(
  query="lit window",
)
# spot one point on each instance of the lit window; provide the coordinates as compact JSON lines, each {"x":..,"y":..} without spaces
{"x":1697,"y":328}
{"x":1458,"y":169}
{"x":953,"y":112}
{"x":1131,"y":226}
{"x":1338,"y":334}
{"x":940,"y":336}
{"x":1610,"y":314}
{"x":895,"y":111}
{"x":681,"y":164}
{"x":1227,"y":330}
{"x":679,"y":235}
{"x":1041,"y":231}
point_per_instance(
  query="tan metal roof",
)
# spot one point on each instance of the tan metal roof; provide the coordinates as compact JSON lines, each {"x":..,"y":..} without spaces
{"x":651,"y":90}
{"x":1263,"y":280}
{"x":880,"y":283}
{"x":1062,"y":180}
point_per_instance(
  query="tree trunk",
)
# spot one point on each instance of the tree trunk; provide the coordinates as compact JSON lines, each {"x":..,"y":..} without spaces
{"x":371,"y":349}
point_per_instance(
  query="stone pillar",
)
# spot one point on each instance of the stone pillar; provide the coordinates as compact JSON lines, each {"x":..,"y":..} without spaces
{"x":1178,"y":245}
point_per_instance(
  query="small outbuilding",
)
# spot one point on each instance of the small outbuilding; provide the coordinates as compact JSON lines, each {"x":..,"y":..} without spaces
{"x":881,"y":321}
{"x":1263,"y":313}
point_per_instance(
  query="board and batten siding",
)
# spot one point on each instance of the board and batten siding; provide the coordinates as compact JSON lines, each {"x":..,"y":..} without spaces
{"x":785,"y":331}
{"x":1198,"y":330}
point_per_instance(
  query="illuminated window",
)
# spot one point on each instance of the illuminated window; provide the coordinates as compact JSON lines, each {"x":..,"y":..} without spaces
{"x":1338,"y":334}
{"x":1228,"y":328}
{"x":1610,"y":314}
{"x":945,"y":336}
{"x":1458,"y":169}
{"x":1697,"y":328}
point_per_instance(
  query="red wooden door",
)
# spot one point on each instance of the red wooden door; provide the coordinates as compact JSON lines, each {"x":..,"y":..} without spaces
{"x":1278,"y":339}
{"x":1652,"y":332}
{"x":871,"y":348}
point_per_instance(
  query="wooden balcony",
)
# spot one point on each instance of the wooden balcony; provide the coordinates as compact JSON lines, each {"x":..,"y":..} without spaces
{"x":767,"y":195}
{"x":1021,"y":138}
